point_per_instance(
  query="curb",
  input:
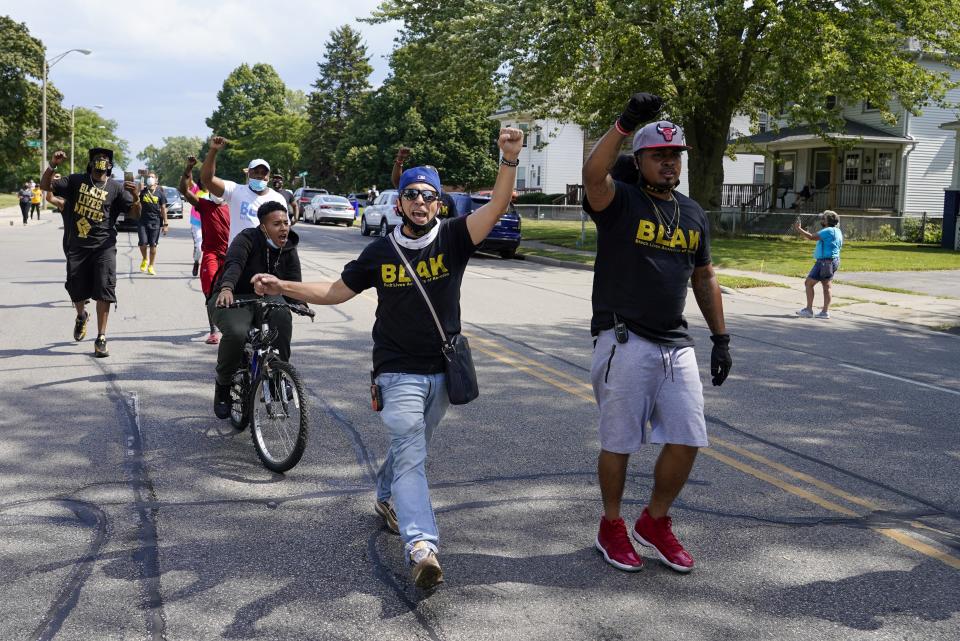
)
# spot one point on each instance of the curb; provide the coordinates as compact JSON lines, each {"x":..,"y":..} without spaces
{"x":554,"y":262}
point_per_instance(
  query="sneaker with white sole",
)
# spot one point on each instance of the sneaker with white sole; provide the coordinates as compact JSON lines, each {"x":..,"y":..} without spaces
{"x":658,"y":534}
{"x":805,"y":313}
{"x":389,"y":516}
{"x":823,"y":314}
{"x":614,"y":544}
{"x":426,"y":570}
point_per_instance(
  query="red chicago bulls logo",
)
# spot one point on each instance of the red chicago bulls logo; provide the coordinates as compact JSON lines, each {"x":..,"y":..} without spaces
{"x":666,"y":132}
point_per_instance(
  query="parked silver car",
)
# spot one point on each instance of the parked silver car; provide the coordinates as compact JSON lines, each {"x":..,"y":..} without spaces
{"x":329,"y":209}
{"x":381,"y":216}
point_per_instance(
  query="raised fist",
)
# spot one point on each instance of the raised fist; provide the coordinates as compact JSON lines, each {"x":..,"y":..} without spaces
{"x":510,"y":142}
{"x":402,"y":154}
{"x":218,"y":142}
{"x":642,"y":107}
{"x":58,"y":157}
{"x":191,"y":161}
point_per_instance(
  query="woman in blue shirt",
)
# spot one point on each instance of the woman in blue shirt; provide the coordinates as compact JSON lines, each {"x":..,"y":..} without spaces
{"x":827,"y":254}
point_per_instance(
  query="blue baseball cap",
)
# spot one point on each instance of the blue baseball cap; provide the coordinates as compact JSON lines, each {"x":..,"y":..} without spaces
{"x":427,"y":175}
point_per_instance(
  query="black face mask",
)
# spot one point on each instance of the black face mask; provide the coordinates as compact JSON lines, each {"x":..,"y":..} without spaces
{"x":418,"y":229}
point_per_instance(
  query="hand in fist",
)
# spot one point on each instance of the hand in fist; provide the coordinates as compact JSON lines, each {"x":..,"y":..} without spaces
{"x":58,"y":157}
{"x":642,"y":107}
{"x":266,"y":285}
{"x":218,"y":142}
{"x":510,"y":142}
{"x":402,"y":154}
{"x":191,"y":161}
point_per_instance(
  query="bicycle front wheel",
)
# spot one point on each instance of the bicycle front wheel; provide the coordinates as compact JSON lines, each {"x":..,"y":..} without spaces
{"x":239,"y":400}
{"x":279,"y":417}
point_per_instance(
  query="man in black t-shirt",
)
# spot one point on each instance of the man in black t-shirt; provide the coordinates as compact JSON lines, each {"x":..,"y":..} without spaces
{"x":408,"y":365}
{"x":651,"y":241}
{"x":92,"y":204}
{"x":153,"y":221}
{"x":293,"y":209}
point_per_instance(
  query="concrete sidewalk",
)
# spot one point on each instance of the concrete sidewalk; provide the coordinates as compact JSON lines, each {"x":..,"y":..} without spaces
{"x":932,"y":312}
{"x":11,"y":217}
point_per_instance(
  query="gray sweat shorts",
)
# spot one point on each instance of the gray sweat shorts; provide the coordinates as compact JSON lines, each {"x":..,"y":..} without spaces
{"x":647,"y":393}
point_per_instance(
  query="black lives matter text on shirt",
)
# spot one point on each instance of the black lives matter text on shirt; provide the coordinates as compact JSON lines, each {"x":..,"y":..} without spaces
{"x":150,"y":204}
{"x":405,"y":338}
{"x":92,"y":209}
{"x":642,"y":268}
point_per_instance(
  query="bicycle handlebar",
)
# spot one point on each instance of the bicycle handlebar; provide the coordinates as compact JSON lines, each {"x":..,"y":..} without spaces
{"x":300,"y":309}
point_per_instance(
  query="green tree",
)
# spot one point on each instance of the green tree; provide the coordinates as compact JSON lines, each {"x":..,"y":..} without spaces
{"x":296,"y":102}
{"x":276,"y":138}
{"x":21,"y":72}
{"x":247,"y":92}
{"x":342,"y":83}
{"x":169,"y":159}
{"x":90,"y":130}
{"x":456,"y":136}
{"x":580,"y":60}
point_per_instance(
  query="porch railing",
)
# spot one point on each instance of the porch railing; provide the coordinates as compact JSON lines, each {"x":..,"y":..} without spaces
{"x":742,"y":194}
{"x":855,"y":197}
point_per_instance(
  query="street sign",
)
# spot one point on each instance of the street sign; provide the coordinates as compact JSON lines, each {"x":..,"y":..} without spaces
{"x":302,"y":174}
{"x":35,"y":144}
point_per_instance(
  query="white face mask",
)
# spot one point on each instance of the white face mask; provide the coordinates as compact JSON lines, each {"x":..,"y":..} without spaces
{"x":151,"y":181}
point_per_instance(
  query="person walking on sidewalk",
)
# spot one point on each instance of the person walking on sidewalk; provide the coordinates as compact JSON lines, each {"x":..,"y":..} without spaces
{"x":93,"y":203}
{"x":25,"y":195}
{"x":408,"y":360}
{"x":827,"y":256}
{"x":36,"y":198}
{"x":153,"y":222}
{"x":215,"y":234}
{"x":651,"y":241}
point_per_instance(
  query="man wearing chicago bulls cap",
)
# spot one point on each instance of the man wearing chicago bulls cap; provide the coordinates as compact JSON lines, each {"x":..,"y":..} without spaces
{"x":651,"y":241}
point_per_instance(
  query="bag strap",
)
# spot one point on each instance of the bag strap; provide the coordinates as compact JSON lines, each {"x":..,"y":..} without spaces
{"x":423,"y":292}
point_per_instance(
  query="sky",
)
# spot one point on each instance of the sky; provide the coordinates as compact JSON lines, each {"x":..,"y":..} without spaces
{"x":156,"y":67}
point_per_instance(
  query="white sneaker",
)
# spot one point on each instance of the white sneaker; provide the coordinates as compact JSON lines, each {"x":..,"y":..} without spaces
{"x":426,"y":568}
{"x":823,"y":314}
{"x":805,"y":313}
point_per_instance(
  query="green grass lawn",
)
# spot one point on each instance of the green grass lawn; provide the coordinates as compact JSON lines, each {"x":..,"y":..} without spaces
{"x":8,"y":200}
{"x":779,"y":255}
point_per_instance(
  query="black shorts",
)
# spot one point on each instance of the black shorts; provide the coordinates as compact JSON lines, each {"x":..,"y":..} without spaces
{"x":92,"y":274}
{"x":149,"y":234}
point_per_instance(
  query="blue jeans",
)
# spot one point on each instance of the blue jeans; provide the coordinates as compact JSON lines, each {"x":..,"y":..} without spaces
{"x":413,"y":405}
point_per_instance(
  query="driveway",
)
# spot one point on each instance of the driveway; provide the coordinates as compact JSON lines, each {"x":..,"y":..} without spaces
{"x":935,"y":283}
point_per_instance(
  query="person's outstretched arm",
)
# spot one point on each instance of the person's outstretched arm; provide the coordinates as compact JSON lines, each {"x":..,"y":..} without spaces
{"x":480,"y":222}
{"x":209,"y":168}
{"x":186,"y":182}
{"x":402,"y":154}
{"x":597,"y":183}
{"x":316,"y":293}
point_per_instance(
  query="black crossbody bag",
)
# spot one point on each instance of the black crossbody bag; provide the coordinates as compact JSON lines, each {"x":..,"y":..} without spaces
{"x":461,"y":376}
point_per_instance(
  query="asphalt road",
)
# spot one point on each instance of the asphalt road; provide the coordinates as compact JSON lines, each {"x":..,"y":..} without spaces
{"x":827,"y":508}
{"x":935,"y":283}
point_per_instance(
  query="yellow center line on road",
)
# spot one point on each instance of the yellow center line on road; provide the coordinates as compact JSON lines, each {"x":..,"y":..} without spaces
{"x":578,"y":388}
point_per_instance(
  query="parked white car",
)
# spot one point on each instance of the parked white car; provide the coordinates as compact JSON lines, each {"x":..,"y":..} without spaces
{"x":381,"y":216}
{"x":325,"y":208}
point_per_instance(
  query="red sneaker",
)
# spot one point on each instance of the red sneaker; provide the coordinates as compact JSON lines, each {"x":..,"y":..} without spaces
{"x":614,"y":544}
{"x":658,"y":534}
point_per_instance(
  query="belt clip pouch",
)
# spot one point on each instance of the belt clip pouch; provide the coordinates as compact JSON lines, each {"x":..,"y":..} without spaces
{"x":461,"y":376}
{"x":620,"y":330}
{"x":376,"y":396}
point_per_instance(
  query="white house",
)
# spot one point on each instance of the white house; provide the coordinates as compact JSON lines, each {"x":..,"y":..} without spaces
{"x":901,"y":168}
{"x":554,"y":152}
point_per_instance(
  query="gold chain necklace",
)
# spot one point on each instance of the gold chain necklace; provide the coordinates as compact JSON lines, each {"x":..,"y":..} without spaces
{"x":668,"y":228}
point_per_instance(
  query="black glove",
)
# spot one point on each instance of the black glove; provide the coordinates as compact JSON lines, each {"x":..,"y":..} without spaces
{"x":642,"y":107}
{"x":720,"y":361}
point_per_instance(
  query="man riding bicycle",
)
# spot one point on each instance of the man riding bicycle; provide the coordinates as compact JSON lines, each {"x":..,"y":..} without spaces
{"x":270,"y":248}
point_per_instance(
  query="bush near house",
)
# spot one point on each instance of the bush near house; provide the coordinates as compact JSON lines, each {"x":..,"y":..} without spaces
{"x":537,"y":198}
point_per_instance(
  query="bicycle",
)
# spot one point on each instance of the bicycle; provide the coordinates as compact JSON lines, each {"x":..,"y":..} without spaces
{"x":267,"y":393}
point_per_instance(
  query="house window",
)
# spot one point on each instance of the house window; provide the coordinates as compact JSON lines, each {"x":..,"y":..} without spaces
{"x":787,"y":170}
{"x":830,"y":102}
{"x":763,"y":122}
{"x":822,"y":162}
{"x":758,"y":173}
{"x":521,"y":177}
{"x":525,"y":128}
{"x":884,"y":166}
{"x":869,"y":106}
{"x":537,"y":141}
{"x":851,"y":167}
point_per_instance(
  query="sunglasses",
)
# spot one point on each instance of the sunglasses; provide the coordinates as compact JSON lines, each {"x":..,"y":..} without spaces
{"x":429,"y":195}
